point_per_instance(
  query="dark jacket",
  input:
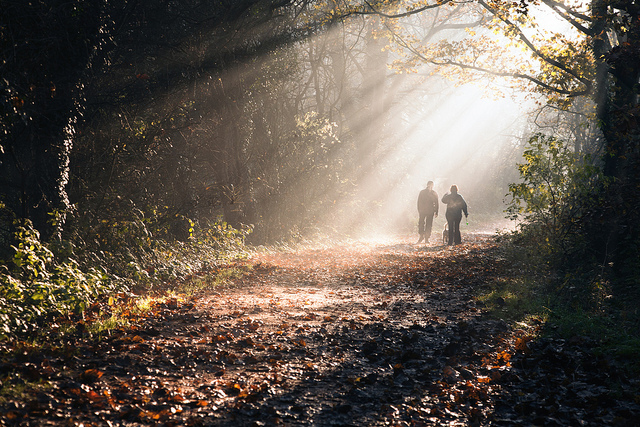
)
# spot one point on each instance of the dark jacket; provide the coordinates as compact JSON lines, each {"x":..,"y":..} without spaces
{"x":455,"y":204}
{"x":428,"y":202}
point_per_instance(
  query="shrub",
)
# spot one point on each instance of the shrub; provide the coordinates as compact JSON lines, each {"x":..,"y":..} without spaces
{"x":558,"y":191}
{"x":35,"y":285}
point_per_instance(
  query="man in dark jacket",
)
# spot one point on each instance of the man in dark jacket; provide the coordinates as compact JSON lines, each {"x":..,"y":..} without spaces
{"x":455,"y":206}
{"x":428,"y":209}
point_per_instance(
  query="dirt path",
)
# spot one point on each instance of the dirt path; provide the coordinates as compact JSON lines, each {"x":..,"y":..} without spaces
{"x":362,"y":334}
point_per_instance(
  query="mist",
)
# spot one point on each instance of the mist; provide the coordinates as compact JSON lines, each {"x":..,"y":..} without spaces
{"x":342,"y":143}
{"x":448,"y":135}
{"x":426,"y":128}
{"x":318,"y":135}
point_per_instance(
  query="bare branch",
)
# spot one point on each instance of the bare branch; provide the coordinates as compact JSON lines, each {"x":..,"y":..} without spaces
{"x":404,"y":14}
{"x":567,"y":14}
{"x":555,"y":4}
{"x":532,"y":79}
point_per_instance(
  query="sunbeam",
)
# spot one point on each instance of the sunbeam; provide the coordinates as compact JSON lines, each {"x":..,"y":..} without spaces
{"x":436,"y":132}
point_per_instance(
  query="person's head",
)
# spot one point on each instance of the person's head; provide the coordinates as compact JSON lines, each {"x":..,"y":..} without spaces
{"x":454,"y":189}
{"x":430,"y":185}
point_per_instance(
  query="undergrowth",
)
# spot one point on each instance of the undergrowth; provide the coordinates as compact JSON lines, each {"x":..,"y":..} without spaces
{"x":568,"y":304}
{"x":43,"y":282}
{"x":561,"y":274}
{"x":35,"y":286}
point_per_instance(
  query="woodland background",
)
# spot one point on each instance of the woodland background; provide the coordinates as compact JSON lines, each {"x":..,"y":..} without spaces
{"x":143,"y":141}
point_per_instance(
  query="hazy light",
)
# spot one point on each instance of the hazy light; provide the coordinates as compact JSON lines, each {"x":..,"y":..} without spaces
{"x":548,"y":21}
{"x":444,"y":134}
{"x":433,"y":131}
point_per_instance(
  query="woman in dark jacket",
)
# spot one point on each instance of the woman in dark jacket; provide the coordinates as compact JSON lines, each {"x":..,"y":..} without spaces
{"x":455,"y":206}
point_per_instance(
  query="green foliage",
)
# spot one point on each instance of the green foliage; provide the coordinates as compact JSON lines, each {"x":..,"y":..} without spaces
{"x":546,"y":180}
{"x":558,"y":202}
{"x":555,"y":195}
{"x":143,"y":253}
{"x":303,"y":177}
{"x":170,"y":264}
{"x":34,"y":284}
{"x":225,"y":240}
{"x":562,"y":199}
{"x":529,"y":301}
{"x":518,"y":299}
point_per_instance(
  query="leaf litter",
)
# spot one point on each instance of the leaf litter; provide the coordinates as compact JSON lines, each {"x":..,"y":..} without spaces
{"x":359,"y":334}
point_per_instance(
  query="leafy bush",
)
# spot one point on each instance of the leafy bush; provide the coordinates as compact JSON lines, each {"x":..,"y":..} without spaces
{"x":143,"y":252}
{"x":169,"y":263}
{"x":41,"y":280}
{"x":34,"y":285}
{"x":555,"y":196}
{"x":539,"y":197}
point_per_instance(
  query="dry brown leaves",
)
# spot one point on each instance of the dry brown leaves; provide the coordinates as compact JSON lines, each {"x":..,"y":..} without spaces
{"x":360,"y":334}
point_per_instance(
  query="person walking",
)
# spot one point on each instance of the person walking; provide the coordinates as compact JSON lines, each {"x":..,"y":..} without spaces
{"x":456,"y":205}
{"x":427,"y":209}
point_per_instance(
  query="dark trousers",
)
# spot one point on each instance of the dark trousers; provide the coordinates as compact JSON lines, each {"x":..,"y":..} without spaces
{"x":425,"y":223}
{"x":453,"y":222}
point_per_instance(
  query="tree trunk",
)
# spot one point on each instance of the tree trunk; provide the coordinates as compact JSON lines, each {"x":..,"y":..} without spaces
{"x":47,"y":47}
{"x":617,"y":78}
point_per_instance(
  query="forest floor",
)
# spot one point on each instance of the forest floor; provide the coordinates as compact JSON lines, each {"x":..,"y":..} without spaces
{"x":362,"y":334}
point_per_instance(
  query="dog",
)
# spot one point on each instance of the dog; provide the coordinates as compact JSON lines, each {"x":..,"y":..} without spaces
{"x":445,"y":234}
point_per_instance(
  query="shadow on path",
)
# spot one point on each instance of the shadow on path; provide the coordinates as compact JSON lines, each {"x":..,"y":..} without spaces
{"x":384,"y":335}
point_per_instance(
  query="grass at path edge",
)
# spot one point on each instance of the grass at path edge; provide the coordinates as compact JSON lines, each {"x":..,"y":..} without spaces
{"x":531,"y":294}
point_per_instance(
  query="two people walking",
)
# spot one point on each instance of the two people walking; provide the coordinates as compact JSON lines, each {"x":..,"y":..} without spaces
{"x":428,"y":209}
